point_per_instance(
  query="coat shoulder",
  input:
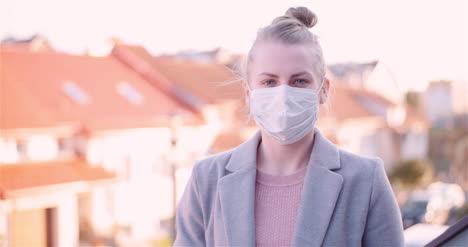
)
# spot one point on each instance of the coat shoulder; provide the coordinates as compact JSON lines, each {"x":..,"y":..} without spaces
{"x":356,"y":165}
{"x":211,"y":168}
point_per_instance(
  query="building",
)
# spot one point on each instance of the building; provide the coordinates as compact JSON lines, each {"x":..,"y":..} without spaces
{"x":38,"y":201}
{"x":59,"y":108}
{"x":373,"y":76}
{"x":361,"y":121}
{"x":206,"y":86}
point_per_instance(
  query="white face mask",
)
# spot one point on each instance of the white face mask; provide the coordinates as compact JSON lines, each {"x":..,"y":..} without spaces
{"x":286,"y":113}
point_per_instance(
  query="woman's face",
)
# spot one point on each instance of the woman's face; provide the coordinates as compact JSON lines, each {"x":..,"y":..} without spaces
{"x":276,"y":64}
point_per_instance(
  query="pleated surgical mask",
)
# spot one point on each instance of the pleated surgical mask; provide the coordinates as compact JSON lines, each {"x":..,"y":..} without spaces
{"x":286,"y":113}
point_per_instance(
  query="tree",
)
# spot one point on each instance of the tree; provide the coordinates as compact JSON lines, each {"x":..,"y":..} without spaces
{"x":412,"y":173}
{"x":412,"y":98}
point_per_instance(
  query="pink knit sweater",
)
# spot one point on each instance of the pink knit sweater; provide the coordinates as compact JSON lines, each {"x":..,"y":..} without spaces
{"x":277,"y":200}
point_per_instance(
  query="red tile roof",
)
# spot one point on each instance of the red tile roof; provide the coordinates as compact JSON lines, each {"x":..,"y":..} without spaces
{"x":206,"y":82}
{"x":20,"y":108}
{"x":33,"y":93}
{"x":210,"y":82}
{"x":29,"y":175}
{"x":344,"y":103}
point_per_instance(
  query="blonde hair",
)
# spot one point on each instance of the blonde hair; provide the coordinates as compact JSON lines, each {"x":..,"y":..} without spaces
{"x":290,"y":28}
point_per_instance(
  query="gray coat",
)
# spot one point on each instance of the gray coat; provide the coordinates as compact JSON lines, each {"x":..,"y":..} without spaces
{"x":346,"y":201}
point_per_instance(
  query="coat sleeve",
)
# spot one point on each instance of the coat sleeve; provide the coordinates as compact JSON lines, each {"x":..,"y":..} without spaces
{"x":189,"y":215}
{"x":384,"y":225}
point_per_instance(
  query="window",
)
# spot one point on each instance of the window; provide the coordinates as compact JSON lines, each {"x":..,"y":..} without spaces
{"x":129,"y":93}
{"x":21,"y":149}
{"x":75,"y":93}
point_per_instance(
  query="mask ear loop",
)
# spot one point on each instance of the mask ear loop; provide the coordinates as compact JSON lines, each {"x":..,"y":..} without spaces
{"x":319,"y":90}
{"x":249,"y":117}
{"x":248,"y":87}
{"x":321,"y":85}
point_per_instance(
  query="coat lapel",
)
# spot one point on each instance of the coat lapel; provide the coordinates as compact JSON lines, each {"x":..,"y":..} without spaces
{"x":237,"y":194}
{"x":320,"y":193}
{"x":321,"y":190}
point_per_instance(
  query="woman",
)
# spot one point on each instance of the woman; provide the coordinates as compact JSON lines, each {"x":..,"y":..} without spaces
{"x":288,"y":185}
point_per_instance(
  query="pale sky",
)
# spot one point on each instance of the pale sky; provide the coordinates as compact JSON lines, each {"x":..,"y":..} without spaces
{"x":418,"y":40}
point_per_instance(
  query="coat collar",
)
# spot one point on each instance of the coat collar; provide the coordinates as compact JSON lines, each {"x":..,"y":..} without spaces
{"x":322,"y":187}
{"x":324,"y":153}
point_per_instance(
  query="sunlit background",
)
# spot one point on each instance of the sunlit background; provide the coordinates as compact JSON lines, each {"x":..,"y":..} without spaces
{"x":106,"y":105}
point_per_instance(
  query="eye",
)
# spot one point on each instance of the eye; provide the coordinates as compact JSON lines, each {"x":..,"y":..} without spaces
{"x":268,"y":83}
{"x":300,"y":82}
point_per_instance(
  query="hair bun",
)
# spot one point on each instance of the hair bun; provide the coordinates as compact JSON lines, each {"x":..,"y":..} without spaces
{"x":303,"y":15}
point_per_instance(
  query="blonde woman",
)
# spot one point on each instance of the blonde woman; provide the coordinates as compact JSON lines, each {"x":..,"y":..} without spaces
{"x":288,"y":185}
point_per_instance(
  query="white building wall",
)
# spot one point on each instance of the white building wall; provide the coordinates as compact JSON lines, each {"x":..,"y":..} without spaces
{"x":3,"y":227}
{"x":367,"y":137}
{"x":438,"y":102}
{"x":67,"y":221}
{"x":460,"y":96}
{"x":8,"y":151}
{"x":101,"y":218}
{"x":414,"y":146}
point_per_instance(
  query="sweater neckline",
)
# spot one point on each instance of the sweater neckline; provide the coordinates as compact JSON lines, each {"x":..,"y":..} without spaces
{"x":281,"y":180}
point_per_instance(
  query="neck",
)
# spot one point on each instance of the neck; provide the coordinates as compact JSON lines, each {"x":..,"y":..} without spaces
{"x":278,"y":159}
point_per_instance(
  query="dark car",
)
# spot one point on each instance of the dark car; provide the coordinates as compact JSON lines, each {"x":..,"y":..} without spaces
{"x":414,"y":211}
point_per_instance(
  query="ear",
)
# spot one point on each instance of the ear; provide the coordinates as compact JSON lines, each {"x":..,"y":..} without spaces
{"x":324,"y":91}
{"x":246,"y":89}
{"x":246,"y":93}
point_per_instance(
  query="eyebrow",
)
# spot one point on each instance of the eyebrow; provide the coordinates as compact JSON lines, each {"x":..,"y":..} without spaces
{"x":294,"y":75}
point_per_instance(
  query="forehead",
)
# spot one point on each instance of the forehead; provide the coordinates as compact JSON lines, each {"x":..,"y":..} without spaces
{"x":279,"y":58}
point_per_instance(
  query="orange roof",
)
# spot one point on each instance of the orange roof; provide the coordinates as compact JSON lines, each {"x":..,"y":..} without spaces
{"x":42,"y":88}
{"x":29,"y":175}
{"x":344,"y":103}
{"x":206,"y":82}
{"x":210,"y":82}
{"x":20,"y":108}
